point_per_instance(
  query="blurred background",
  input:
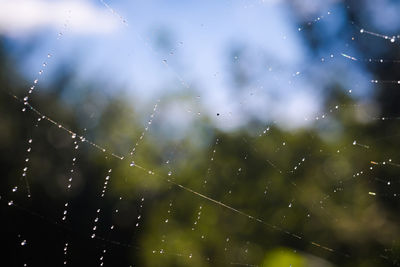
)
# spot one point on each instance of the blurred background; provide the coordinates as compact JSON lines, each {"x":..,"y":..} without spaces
{"x":200,"y":133}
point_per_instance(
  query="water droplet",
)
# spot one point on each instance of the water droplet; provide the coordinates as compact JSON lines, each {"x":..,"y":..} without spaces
{"x":23,"y":243}
{"x":132,"y":164}
{"x":169,"y":173}
{"x":354,"y":142}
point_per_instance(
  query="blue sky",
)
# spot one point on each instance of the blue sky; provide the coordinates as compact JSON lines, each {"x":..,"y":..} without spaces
{"x":288,"y":79}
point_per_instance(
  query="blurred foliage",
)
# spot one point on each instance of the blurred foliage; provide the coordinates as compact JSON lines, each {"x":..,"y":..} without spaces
{"x":308,"y":187}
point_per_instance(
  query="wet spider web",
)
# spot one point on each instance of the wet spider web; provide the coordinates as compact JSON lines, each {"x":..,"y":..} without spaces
{"x":263,"y":195}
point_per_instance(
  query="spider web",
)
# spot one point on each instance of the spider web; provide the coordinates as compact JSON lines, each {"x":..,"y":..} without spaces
{"x":262,"y":195}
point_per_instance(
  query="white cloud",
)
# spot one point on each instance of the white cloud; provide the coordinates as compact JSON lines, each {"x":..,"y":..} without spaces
{"x":21,"y":17}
